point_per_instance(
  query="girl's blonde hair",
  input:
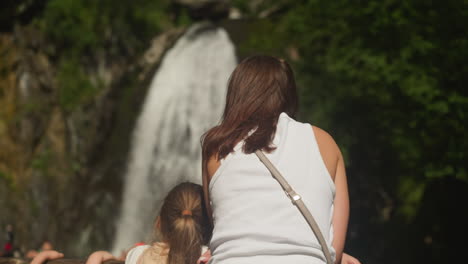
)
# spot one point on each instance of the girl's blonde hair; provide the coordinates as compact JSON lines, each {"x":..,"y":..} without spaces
{"x":184,"y":224}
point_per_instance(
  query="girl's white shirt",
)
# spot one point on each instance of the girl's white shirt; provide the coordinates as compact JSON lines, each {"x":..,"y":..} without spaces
{"x":133,"y":256}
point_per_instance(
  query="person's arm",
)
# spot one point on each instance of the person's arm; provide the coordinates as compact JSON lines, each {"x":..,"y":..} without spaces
{"x":43,"y":256}
{"x":347,"y":259}
{"x":206,"y":191}
{"x":208,"y":170}
{"x":99,"y":257}
{"x":31,"y":254}
{"x":334,"y":162}
{"x":341,"y":210}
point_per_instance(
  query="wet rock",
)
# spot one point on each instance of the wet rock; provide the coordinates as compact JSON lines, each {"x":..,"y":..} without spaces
{"x":153,"y":55}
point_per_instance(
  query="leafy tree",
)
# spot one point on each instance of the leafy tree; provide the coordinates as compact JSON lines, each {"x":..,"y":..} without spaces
{"x":89,"y":33}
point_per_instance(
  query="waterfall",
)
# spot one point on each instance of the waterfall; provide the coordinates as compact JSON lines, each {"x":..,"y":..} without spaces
{"x":186,"y":97}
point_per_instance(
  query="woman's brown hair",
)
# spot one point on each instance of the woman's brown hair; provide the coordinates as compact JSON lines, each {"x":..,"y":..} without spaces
{"x":259,"y":89}
{"x":184,"y":224}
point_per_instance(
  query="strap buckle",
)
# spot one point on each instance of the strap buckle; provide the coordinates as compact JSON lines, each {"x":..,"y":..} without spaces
{"x":293,"y":196}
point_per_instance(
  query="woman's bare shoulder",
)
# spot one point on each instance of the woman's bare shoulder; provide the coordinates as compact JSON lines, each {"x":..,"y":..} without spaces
{"x":324,"y":137}
{"x":329,"y":150}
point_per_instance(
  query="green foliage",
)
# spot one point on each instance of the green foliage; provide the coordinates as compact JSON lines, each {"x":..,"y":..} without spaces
{"x":72,"y":23}
{"x":75,"y":87}
{"x":86,"y":32}
{"x":242,"y":5}
{"x":413,"y":191}
{"x":6,"y":178}
{"x":41,"y":161}
{"x":183,"y":18}
{"x":79,"y":27}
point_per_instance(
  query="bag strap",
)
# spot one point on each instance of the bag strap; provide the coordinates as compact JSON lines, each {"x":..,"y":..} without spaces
{"x":297,"y":201}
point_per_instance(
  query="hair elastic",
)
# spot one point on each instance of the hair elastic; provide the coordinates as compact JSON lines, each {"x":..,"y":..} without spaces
{"x":186,"y":212}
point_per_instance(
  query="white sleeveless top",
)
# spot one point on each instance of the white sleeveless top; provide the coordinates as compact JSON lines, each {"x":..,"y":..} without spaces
{"x":254,"y":220}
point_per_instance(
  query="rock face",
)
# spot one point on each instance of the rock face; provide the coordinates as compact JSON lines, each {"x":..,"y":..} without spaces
{"x":61,"y":166}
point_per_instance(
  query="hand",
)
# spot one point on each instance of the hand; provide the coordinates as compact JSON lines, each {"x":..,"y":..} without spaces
{"x":99,"y":257}
{"x":31,"y":254}
{"x":347,"y":259}
{"x":206,"y":257}
{"x":43,"y":256}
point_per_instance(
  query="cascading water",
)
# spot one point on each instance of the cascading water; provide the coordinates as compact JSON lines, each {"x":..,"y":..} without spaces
{"x":185,"y":98}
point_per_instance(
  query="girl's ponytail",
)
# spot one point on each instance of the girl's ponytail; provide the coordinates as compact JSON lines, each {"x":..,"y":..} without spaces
{"x":183,"y":223}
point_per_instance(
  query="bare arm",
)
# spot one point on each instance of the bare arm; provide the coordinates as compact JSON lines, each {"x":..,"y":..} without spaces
{"x":341,"y":211}
{"x":46,"y":255}
{"x":208,"y":170}
{"x":334,"y":162}
{"x":99,"y":257}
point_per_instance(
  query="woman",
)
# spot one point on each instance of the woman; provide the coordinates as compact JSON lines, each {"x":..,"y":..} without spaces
{"x":254,"y":221}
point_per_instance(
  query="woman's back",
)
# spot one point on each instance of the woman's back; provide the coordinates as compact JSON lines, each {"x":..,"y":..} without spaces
{"x":254,"y":221}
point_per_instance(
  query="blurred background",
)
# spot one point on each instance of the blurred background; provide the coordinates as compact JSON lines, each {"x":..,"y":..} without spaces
{"x":102,"y":105}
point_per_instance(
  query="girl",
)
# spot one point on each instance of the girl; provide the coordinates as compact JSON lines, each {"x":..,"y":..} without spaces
{"x":254,"y":221}
{"x":183,"y":226}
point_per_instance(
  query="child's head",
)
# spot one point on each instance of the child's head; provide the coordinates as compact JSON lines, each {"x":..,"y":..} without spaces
{"x":183,"y":223}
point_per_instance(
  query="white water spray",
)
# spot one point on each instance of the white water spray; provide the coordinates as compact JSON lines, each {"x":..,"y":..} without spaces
{"x":185,"y":98}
